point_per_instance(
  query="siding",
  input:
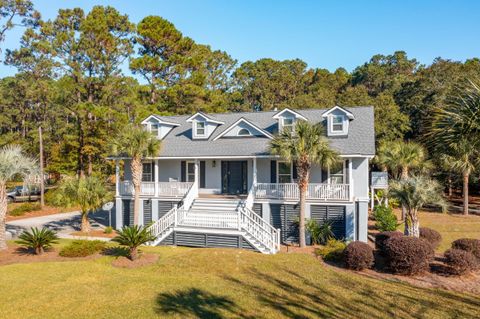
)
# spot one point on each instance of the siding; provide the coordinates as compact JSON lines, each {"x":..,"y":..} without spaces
{"x":147,"y":212}
{"x":285,"y":217}
{"x":127,"y":206}
{"x":258,"y":209}
{"x":335,"y":214}
{"x":164,"y":207}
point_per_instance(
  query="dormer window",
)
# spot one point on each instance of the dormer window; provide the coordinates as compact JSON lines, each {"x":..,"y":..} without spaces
{"x":244,"y":132}
{"x":288,"y":124}
{"x":338,"y":120}
{"x":154,"y":129}
{"x":200,"y":129}
{"x":337,"y":123}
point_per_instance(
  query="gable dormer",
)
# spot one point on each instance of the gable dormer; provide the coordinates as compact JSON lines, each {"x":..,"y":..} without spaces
{"x":202,"y":125}
{"x":286,"y":119}
{"x":157,"y":126}
{"x":243,"y":128}
{"x":338,"y":120}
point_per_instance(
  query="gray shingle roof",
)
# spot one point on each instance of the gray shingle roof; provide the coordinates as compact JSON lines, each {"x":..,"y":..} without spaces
{"x":178,"y":143}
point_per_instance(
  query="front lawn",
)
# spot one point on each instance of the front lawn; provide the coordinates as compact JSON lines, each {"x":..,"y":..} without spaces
{"x":216,"y":283}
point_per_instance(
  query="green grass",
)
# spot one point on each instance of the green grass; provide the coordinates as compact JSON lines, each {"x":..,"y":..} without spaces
{"x":216,"y":283}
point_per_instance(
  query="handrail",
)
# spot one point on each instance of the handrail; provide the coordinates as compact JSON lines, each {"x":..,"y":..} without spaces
{"x":190,"y":196}
{"x":164,"y":222}
{"x":248,"y":202}
{"x":260,"y":230}
{"x":317,"y":191}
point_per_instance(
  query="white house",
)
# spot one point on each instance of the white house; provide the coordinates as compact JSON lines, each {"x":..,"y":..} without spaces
{"x":215,"y":184}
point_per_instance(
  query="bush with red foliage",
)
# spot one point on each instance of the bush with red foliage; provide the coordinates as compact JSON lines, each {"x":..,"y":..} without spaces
{"x":408,"y":255}
{"x":460,"y":262}
{"x":358,"y":256}
{"x":468,"y":244}
{"x":381,"y":238}
{"x":431,"y":236}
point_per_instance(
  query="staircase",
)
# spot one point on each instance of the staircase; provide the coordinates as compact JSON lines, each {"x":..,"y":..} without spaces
{"x":219,"y":215}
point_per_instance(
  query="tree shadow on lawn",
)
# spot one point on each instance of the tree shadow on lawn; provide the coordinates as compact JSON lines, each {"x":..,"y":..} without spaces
{"x":344,"y":297}
{"x":116,"y":251}
{"x":197,"y":303}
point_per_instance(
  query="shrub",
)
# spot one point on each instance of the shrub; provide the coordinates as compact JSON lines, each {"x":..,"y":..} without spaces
{"x":460,"y":262}
{"x":108,"y":230}
{"x":132,"y":237}
{"x":320,"y":233}
{"x":24,"y":208}
{"x":385,"y":219}
{"x":38,"y":240}
{"x":358,"y":256}
{"x":82,"y":248}
{"x":381,"y":238}
{"x":468,"y":244}
{"x":432,"y":236}
{"x":332,"y":251}
{"x":408,"y":255}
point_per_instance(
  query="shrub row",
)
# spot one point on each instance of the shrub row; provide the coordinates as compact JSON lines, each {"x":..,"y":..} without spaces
{"x":24,"y":208}
{"x":82,"y":248}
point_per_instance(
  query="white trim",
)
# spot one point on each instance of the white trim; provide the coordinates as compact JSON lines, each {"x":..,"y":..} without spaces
{"x":246,"y":122}
{"x":297,"y":115}
{"x":207,"y":119}
{"x":343,"y":173}
{"x":159,"y":120}
{"x":195,"y":135}
{"x":186,"y":171}
{"x":345,"y":123}
{"x":347,"y":113}
{"x":244,"y":129}
{"x":229,"y":156}
{"x":278,"y":171}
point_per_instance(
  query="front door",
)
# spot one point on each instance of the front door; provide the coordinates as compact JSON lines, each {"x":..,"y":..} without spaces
{"x":234,"y":177}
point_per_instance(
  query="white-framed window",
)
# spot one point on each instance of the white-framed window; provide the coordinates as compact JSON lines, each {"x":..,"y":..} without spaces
{"x":337,"y":173}
{"x":190,"y":172}
{"x":244,"y":132}
{"x":147,"y":172}
{"x":337,"y":123}
{"x":288,"y":124}
{"x":200,"y":129}
{"x":284,"y":172}
{"x":154,"y":129}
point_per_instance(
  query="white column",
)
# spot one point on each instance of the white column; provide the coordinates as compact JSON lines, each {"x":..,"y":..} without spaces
{"x":117,"y":178}
{"x":156,"y":177}
{"x":197,"y":175}
{"x":350,"y":177}
{"x":254,"y":179}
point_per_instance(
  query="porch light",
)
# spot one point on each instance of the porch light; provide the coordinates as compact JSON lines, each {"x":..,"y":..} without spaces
{"x":214,"y":163}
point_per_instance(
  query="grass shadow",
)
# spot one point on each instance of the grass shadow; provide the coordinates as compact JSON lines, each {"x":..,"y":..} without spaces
{"x":116,"y":251}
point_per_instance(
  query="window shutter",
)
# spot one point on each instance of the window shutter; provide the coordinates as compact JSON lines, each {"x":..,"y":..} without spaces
{"x":202,"y":174}
{"x":183,"y":171}
{"x":273,"y":171}
{"x":346,"y":173}
{"x":294,"y":168}
{"x":324,"y":175}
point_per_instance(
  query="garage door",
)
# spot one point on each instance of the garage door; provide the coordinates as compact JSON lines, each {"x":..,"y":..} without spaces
{"x":334,"y":214}
{"x":285,"y":217}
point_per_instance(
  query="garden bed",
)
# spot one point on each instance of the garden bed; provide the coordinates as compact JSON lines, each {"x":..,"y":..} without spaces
{"x":47,"y":210}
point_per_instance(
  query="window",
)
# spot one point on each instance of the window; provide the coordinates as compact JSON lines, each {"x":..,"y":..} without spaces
{"x":288,"y":124}
{"x":154,"y":129}
{"x":200,"y":129}
{"x":244,"y":132}
{"x":190,"y":172}
{"x":337,"y":123}
{"x":337,"y":173}
{"x":147,"y":172}
{"x":284,"y":170}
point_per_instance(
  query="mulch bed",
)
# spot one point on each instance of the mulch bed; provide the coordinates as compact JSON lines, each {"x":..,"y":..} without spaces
{"x":16,"y":254}
{"x":142,"y":260}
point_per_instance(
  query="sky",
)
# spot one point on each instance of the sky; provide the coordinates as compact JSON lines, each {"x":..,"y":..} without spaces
{"x":325,"y":34}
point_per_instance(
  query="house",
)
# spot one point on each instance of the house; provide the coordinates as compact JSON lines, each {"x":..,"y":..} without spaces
{"x":215,"y":184}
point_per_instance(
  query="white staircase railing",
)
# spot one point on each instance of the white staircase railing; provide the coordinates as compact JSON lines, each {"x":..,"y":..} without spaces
{"x":260,"y":230}
{"x":190,"y":196}
{"x":164,"y":226}
{"x":248,"y":202}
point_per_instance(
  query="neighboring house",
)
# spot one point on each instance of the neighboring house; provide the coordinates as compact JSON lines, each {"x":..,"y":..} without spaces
{"x":215,"y":184}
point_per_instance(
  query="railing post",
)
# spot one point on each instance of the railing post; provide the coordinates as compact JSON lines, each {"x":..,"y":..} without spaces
{"x":239,"y":214}
{"x":175,"y":213}
{"x":155,"y":171}
{"x":117,"y":178}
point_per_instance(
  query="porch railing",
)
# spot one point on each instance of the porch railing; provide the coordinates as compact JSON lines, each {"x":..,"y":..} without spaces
{"x":165,"y":189}
{"x":291,"y":191}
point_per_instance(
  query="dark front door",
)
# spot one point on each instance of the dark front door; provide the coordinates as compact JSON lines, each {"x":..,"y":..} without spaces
{"x":234,"y":177}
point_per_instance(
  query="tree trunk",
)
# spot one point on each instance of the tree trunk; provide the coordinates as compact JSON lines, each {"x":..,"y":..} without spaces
{"x":3,"y":215}
{"x":80,"y":164}
{"x":303,"y":171}
{"x":85,"y":223}
{"x":466,"y":177}
{"x":137,"y":181}
{"x":450,"y":186}
{"x":412,"y":224}
{"x":133,"y":253}
{"x":404,"y":176}
{"x":42,"y":182}
{"x":39,"y":250}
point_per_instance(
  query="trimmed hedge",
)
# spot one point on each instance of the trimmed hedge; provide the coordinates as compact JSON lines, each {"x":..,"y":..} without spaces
{"x":82,"y":248}
{"x":431,"y":236}
{"x":408,"y":255}
{"x":381,"y":238}
{"x":468,"y":244}
{"x":460,"y":262}
{"x":358,"y":256}
{"x":332,"y":251}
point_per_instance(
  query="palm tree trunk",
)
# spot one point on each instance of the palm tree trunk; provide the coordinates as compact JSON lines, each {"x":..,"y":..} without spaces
{"x":466,"y":177}
{"x":3,"y":215}
{"x":137,"y":181}
{"x":304,"y":172}
{"x":404,"y":176}
{"x":133,"y":253}
{"x":85,"y":228}
{"x":39,"y":250}
{"x":450,"y":186}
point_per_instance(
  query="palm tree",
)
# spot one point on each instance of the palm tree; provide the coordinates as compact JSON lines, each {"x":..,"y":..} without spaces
{"x":463,"y":157}
{"x":133,"y":237}
{"x":137,"y":143}
{"x":89,"y":193}
{"x":455,"y":131}
{"x":305,"y":146}
{"x":413,"y":193}
{"x":38,"y":239}
{"x":13,"y":163}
